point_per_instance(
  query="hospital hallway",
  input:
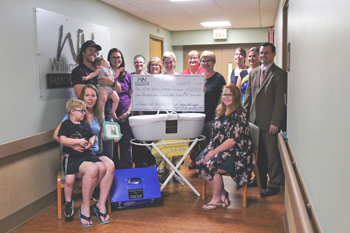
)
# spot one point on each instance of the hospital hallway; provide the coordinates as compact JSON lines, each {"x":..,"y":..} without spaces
{"x":179,"y":210}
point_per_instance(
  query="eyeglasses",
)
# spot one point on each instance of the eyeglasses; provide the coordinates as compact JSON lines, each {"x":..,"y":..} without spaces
{"x":206,"y":61}
{"x":138,"y":63}
{"x":83,"y":111}
{"x":115,"y":58}
{"x":226,"y":95}
{"x":154,"y":64}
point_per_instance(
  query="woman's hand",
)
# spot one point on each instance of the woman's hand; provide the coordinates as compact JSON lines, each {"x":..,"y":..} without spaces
{"x":208,"y":156}
{"x":88,"y":145}
{"x":123,"y":117}
{"x":105,"y":81}
{"x":82,"y":142}
{"x":118,"y":71}
{"x":80,"y":145}
{"x":78,"y":148}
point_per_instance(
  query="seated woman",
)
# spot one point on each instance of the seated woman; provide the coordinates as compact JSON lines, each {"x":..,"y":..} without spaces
{"x":230,"y":148}
{"x":93,"y":116}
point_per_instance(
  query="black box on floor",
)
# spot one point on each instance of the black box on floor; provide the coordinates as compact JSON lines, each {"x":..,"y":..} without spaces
{"x":138,"y":186}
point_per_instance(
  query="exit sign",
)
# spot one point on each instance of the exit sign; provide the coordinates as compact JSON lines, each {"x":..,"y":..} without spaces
{"x":220,"y":33}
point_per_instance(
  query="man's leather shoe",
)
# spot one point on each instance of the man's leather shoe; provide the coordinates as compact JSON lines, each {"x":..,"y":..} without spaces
{"x":252,"y":183}
{"x":191,"y":166}
{"x":269,"y":192}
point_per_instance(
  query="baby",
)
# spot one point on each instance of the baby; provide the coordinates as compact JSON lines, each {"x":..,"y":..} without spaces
{"x":103,"y":70}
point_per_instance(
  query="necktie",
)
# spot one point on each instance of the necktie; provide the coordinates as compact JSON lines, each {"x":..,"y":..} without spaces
{"x":262,"y":76}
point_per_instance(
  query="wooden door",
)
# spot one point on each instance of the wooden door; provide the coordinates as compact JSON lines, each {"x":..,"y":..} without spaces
{"x":156,"y":46}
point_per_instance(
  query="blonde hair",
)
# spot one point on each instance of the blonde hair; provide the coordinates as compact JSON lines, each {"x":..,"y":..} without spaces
{"x":169,"y":54}
{"x":209,"y":54}
{"x":236,"y":101}
{"x":156,"y":59}
{"x":74,"y":103}
{"x":193,"y":52}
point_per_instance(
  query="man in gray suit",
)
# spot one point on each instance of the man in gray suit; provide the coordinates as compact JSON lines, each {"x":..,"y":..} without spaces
{"x":264,"y":101}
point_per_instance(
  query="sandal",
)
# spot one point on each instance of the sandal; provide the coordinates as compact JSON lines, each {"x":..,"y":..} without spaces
{"x":81,"y":216}
{"x":208,"y":205}
{"x":223,"y":203}
{"x":99,"y":214}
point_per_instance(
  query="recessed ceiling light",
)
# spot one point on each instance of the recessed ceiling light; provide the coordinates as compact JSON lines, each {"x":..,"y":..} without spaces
{"x":182,"y":0}
{"x":216,"y":24}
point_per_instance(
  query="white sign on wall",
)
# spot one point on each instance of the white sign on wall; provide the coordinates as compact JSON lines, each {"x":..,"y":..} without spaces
{"x":170,"y":92}
{"x":220,"y":33}
{"x":58,"y":39}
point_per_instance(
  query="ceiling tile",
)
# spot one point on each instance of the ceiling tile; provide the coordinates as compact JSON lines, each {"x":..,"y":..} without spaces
{"x":236,"y":2}
{"x":203,"y":10}
{"x":188,"y":15}
{"x":268,"y":6}
{"x":143,"y":1}
{"x":269,"y":1}
{"x":209,"y":18}
{"x":114,"y":2}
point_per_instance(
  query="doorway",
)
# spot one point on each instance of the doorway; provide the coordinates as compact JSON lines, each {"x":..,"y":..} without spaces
{"x":156,"y":46}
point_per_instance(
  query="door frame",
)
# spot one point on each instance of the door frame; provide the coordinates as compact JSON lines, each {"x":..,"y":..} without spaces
{"x":153,"y":37}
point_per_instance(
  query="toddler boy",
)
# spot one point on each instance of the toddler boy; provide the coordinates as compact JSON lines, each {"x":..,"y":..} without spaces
{"x":77,"y":137}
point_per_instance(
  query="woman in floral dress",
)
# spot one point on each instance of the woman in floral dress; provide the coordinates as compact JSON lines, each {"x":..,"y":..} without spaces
{"x":230,"y":149}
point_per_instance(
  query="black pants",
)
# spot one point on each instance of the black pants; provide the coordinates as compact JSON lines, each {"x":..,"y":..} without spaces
{"x":142,"y":156}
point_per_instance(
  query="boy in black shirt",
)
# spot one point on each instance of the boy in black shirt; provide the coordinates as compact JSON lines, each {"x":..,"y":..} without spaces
{"x":77,"y":137}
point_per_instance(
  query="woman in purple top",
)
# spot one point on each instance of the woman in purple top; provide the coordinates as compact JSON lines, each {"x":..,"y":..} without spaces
{"x":116,"y":59}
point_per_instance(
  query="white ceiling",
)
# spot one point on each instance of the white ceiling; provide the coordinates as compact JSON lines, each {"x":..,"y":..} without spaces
{"x":178,"y":16}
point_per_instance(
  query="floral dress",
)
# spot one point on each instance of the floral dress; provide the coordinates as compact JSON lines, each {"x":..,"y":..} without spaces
{"x":236,"y":127}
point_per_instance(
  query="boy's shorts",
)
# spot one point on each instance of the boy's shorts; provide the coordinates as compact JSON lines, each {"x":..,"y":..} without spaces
{"x":71,"y":163}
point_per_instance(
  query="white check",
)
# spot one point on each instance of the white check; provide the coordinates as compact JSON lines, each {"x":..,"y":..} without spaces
{"x":171,"y":92}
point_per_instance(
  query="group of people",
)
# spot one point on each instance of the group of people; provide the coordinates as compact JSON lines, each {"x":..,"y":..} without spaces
{"x":254,"y":94}
{"x":228,"y":145}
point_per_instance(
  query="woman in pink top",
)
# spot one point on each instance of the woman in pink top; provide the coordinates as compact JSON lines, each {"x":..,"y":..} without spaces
{"x":193,"y":60}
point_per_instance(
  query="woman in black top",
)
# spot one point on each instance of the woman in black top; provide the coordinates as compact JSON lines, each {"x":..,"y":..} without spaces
{"x":214,"y":83}
{"x":240,"y":56}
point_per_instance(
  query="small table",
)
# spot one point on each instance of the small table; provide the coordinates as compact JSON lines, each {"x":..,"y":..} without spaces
{"x":175,"y":169}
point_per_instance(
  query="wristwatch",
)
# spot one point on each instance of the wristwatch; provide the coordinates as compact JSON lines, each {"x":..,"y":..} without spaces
{"x":128,"y":113}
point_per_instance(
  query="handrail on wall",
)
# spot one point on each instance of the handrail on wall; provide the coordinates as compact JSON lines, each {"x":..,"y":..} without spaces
{"x":301,"y":218}
{"x":25,"y":143}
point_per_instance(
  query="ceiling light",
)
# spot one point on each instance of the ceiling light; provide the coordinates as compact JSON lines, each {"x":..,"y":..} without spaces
{"x":216,"y":24}
{"x":182,"y":0}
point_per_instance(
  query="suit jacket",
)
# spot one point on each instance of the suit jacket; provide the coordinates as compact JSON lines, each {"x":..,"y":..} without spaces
{"x":265,"y":104}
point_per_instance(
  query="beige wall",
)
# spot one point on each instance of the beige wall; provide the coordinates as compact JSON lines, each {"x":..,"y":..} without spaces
{"x":19,"y":80}
{"x":28,"y":176}
{"x":318,"y":104}
{"x":205,"y":37}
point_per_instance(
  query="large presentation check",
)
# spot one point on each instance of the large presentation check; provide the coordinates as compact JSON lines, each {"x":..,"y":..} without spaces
{"x":170,"y":92}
